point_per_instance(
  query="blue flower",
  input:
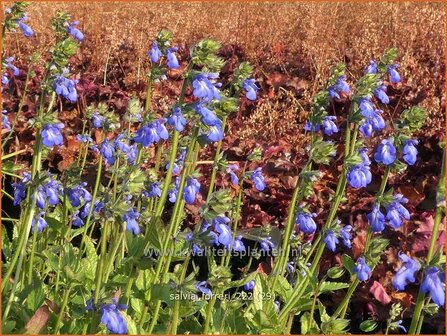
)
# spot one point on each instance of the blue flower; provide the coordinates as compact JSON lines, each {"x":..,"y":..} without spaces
{"x":231,"y":171}
{"x":396,"y":212}
{"x":386,"y":152}
{"x":11,"y":66}
{"x":432,"y":284}
{"x":112,"y":318}
{"x":52,"y":136}
{"x":120,"y":145}
{"x":309,"y":127}
{"x":371,"y":68}
{"x":98,"y":120}
{"x":130,"y":217}
{"x":406,"y":273}
{"x":209,"y":118}
{"x":66,"y":87}
{"x":251,"y":89}
{"x":5,"y":79}
{"x":215,"y":133}
{"x":40,"y":197}
{"x":177,"y":120}
{"x":366,"y":107}
{"x":394,"y":75}
{"x":19,"y":192}
{"x":78,"y":193}
{"x":204,"y":89}
{"x":202,"y":287}
{"x":267,"y":244}
{"x":374,"y":122}
{"x":362,"y":270}
{"x":84,"y":138}
{"x":75,"y":32}
{"x":77,"y":221}
{"x":331,"y":240}
{"x":329,"y":126}
{"x":258,"y":179}
{"x":376,"y":219}
{"x":345,"y":235}
{"x":175,"y":168}
{"x":173,"y":192}
{"x":381,"y":95}
{"x":154,"y":190}
{"x":363,"y":152}
{"x":224,"y":231}
{"x":249,"y":286}
{"x":151,"y":133}
{"x":132,"y":154}
{"x":41,"y":222}
{"x":191,"y":189}
{"x":410,"y":151}
{"x":26,"y":30}
{"x":172,"y":60}
{"x":290,"y":268}
{"x":86,"y":210}
{"x":238,"y":245}
{"x":306,"y":223}
{"x":340,"y":86}
{"x":400,"y":326}
{"x":5,"y":121}
{"x":107,"y":151}
{"x":52,"y":189}
{"x":154,"y":53}
{"x":359,"y":176}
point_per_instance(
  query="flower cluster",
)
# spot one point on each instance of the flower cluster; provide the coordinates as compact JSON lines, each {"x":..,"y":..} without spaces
{"x":171,"y":58}
{"x":395,"y":214}
{"x":360,"y":175}
{"x":66,"y":87}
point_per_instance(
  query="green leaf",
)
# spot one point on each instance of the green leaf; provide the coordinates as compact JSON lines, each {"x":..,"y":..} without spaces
{"x":6,"y":243}
{"x":135,"y":182}
{"x":335,"y":272}
{"x":37,"y":295}
{"x":337,"y":326}
{"x":163,"y":292}
{"x":368,"y":325}
{"x":323,"y":151}
{"x":234,"y":322}
{"x":243,"y":281}
{"x":308,"y":325}
{"x":348,"y":263}
{"x":283,"y":288}
{"x":259,"y":291}
{"x":153,"y":235}
{"x":327,"y":286}
{"x":131,"y":325}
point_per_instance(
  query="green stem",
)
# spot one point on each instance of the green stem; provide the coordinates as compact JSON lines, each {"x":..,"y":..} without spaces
{"x":148,"y":94}
{"x":62,"y":310}
{"x":342,"y":308}
{"x":31,"y":259}
{"x":418,"y":316}
{"x":90,"y":212}
{"x":300,"y":288}
{"x":215,"y":164}
{"x":173,"y":225}
{"x":209,"y":309}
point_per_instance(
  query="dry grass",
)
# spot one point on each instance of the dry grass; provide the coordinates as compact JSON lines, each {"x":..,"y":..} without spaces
{"x":321,"y":33}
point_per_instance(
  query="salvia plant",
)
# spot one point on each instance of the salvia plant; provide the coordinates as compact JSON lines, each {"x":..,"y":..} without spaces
{"x":123,"y":252}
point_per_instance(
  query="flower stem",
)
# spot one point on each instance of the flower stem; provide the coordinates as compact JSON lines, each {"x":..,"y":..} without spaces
{"x":62,"y":310}
{"x":342,"y":308}
{"x":418,"y":316}
{"x":299,"y":289}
